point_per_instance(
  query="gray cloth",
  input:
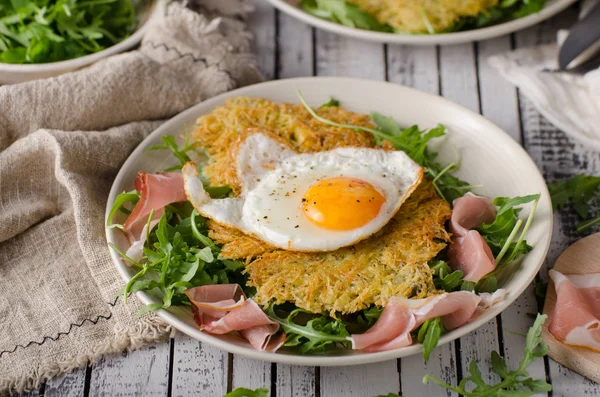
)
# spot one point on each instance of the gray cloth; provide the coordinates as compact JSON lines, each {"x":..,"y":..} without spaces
{"x":62,"y":141}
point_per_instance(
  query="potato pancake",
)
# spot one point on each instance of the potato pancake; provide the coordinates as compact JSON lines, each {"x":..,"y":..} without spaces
{"x":392,"y":262}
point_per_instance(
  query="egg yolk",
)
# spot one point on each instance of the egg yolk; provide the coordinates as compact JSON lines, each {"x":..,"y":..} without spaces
{"x":342,"y":203}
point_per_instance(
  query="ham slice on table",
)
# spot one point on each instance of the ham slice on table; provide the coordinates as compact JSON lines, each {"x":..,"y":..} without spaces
{"x":576,"y":316}
{"x":469,"y":252}
{"x":156,"y":191}
{"x":223,"y":308}
{"x":401,"y":316}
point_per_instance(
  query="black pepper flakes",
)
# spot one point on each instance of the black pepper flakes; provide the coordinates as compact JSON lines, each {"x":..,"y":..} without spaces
{"x":296,"y":227}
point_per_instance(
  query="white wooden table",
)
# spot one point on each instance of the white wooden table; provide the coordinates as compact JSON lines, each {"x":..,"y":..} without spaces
{"x":287,"y":48}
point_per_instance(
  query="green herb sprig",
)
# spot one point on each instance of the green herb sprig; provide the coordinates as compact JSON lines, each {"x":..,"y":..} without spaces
{"x":512,"y":382}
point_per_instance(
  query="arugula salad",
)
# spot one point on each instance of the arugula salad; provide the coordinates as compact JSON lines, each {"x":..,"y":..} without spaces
{"x":178,"y":253}
{"x":42,"y":31}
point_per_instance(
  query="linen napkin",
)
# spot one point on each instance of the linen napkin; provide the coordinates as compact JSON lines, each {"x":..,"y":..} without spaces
{"x":62,"y":141}
{"x":569,"y":101}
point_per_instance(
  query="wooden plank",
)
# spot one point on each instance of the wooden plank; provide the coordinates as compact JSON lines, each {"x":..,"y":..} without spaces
{"x":557,"y":156}
{"x":262,"y":25}
{"x":294,"y":47}
{"x":458,"y":73}
{"x":415,"y":67}
{"x":250,"y":373}
{"x":68,"y":385}
{"x":142,"y":372}
{"x":198,"y":369}
{"x":360,"y":381}
{"x":343,"y":56}
{"x":499,"y":104}
{"x":295,"y":381}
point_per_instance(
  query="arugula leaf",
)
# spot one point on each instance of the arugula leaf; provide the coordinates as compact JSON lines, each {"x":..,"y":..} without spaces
{"x":331,"y":102}
{"x":317,"y":332}
{"x":444,"y":277}
{"x":344,"y":13}
{"x":54,"y":30}
{"x":180,"y":154}
{"x":501,"y":233}
{"x":243,"y":392}
{"x":130,"y":197}
{"x":429,"y":335}
{"x":513,"y":382}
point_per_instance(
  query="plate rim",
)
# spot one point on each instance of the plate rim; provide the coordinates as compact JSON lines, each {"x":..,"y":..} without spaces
{"x":465,"y":36}
{"x":316,"y":360}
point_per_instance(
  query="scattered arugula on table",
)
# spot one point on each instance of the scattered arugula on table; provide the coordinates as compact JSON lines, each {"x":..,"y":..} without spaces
{"x":39,"y":31}
{"x":515,"y":382}
{"x":243,"y":392}
{"x":512,"y":382}
{"x":579,"y":192}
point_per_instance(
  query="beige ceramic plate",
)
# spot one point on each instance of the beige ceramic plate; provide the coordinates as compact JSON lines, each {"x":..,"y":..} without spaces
{"x":552,"y":8}
{"x":489,"y":157}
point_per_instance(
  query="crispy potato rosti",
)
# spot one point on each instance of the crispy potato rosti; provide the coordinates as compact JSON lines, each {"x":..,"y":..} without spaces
{"x":414,"y":15}
{"x":393,"y":262}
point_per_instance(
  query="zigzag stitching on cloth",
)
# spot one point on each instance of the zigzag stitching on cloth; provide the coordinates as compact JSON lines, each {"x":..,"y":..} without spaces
{"x":71,"y":326}
{"x":181,"y":55}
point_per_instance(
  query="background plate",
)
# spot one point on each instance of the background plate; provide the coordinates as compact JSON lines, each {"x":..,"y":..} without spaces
{"x":552,"y":7}
{"x":489,"y":157}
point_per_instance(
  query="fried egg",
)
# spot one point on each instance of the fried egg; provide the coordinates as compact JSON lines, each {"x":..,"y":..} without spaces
{"x":308,"y":202}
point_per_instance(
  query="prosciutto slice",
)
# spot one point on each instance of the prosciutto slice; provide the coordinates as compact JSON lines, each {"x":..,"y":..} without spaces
{"x":223,"y":309}
{"x":156,"y":191}
{"x":576,"y":316}
{"x":470,"y":211}
{"x":401,"y":316}
{"x":469,"y":252}
{"x":472,"y":255}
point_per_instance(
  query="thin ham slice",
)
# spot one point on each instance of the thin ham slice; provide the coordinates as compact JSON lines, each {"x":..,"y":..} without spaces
{"x":401,"y":316}
{"x":470,"y":211}
{"x":469,"y":252}
{"x":223,"y":309}
{"x":576,"y":316}
{"x":472,"y":256}
{"x":156,"y":191}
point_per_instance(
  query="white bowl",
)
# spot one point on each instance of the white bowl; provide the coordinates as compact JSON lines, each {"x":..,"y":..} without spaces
{"x":489,"y":156}
{"x":552,"y":7}
{"x":19,"y":73}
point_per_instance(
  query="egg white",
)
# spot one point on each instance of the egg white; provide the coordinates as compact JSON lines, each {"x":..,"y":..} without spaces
{"x":274,"y":179}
